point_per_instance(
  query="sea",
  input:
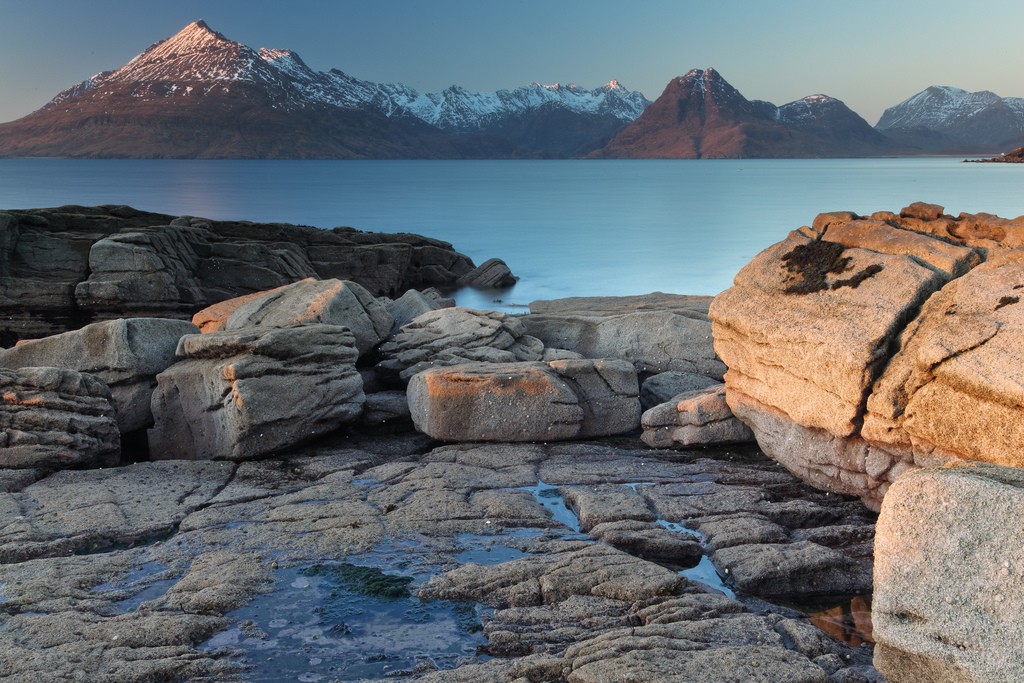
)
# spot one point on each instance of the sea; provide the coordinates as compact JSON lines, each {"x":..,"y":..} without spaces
{"x":566,"y":228}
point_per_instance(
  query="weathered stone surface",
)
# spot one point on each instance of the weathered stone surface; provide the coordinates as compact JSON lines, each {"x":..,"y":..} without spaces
{"x":956,"y":386}
{"x":51,"y":418}
{"x":163,"y":553}
{"x":385,"y":406}
{"x":860,"y":348}
{"x":694,"y":418}
{"x":451,"y":336}
{"x":948,"y":593}
{"x":74,"y":265}
{"x":664,"y":386}
{"x":330,"y":302}
{"x":657,"y":332}
{"x":413,"y":304}
{"x":553,"y":401}
{"x":126,"y":354}
{"x":241,"y":394}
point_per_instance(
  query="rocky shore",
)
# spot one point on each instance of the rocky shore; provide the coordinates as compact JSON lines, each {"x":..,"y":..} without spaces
{"x":281,"y":470}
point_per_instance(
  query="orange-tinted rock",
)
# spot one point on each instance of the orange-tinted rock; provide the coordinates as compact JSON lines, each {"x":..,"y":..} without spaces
{"x":552,"y":401}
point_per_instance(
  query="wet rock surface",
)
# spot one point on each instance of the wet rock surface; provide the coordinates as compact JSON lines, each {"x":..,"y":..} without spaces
{"x":481,"y":562}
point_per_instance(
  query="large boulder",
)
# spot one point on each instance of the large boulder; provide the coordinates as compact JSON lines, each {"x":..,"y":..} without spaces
{"x":452,"y":336}
{"x":948,"y":595}
{"x":664,"y":386}
{"x":552,"y":401}
{"x":860,"y":348}
{"x":52,"y":418}
{"x":331,"y":302}
{"x":126,"y":354}
{"x":656,"y":332}
{"x":241,"y":394}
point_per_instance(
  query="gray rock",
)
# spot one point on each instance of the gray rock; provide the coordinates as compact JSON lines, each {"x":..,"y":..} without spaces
{"x":126,"y":355}
{"x":242,"y":394}
{"x":525,"y":401}
{"x":451,"y":336}
{"x":410,"y":306}
{"x":74,"y":265}
{"x":330,"y":302}
{"x":385,"y":406}
{"x":664,"y":386}
{"x":948,"y":594}
{"x":699,"y":417}
{"x":492,"y":273}
{"x":52,"y":418}
{"x":656,"y":332}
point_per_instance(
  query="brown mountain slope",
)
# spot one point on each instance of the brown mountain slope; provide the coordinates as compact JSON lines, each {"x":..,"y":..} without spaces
{"x":701,"y":116}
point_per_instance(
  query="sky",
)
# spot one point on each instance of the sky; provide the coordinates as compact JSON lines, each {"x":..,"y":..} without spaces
{"x":871,"y":54}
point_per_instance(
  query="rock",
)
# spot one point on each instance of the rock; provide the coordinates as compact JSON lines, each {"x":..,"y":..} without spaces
{"x":694,"y":418}
{"x":650,"y":542}
{"x":491,"y":274}
{"x":664,"y":386}
{"x":52,"y":418}
{"x":525,"y":401}
{"x":954,"y":388}
{"x":657,"y":332}
{"x":788,"y":570}
{"x":245,"y":393}
{"x":450,"y":336}
{"x":948,"y":595}
{"x":74,"y":265}
{"x":126,"y":355}
{"x":572,"y":569}
{"x":860,"y":348}
{"x":411,"y":305}
{"x":330,"y":302}
{"x":385,"y":406}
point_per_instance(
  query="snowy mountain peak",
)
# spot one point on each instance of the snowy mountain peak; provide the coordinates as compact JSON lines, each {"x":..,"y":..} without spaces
{"x":937,"y":107}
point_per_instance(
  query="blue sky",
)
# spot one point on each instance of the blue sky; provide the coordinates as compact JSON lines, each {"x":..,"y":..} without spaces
{"x":870,"y":53}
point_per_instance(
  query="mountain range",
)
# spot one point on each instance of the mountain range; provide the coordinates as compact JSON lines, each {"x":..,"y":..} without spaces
{"x":199,"y":94}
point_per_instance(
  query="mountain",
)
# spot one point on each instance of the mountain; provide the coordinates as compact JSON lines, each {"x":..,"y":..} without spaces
{"x":199,"y":94}
{"x":943,"y":119}
{"x":701,"y":116}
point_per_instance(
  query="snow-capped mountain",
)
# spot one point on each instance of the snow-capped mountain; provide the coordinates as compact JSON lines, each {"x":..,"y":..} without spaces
{"x":170,"y":99}
{"x":700,"y":115}
{"x":944,"y":118}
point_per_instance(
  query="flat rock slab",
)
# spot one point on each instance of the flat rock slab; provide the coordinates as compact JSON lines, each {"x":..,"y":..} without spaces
{"x":52,"y":418}
{"x":241,"y":394}
{"x":126,"y":354}
{"x":136,"y":573}
{"x":657,"y":332}
{"x":948,"y":590}
{"x":512,"y":402}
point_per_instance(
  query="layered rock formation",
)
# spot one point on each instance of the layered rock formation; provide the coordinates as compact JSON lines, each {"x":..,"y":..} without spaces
{"x":237,"y":395}
{"x":126,"y":355}
{"x":52,"y":418}
{"x":73,"y":265}
{"x":693,"y":418}
{"x":863,"y":346}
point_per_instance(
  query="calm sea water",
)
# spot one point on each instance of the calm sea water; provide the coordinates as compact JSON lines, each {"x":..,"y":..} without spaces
{"x":568,"y":228}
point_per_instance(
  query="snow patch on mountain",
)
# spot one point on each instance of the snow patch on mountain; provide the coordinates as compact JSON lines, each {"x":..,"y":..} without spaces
{"x":937,"y":108}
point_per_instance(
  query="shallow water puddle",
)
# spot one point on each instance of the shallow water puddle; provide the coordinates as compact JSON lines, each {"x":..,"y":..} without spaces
{"x":141,"y":583}
{"x":705,"y":571}
{"x":848,"y":622}
{"x":504,"y":546}
{"x":550,"y":497}
{"x":339,"y":621}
